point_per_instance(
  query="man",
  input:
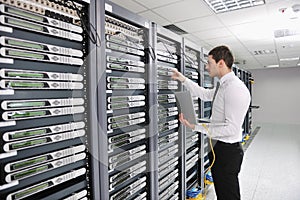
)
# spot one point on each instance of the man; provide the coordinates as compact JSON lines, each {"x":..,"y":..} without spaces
{"x":230,"y":103}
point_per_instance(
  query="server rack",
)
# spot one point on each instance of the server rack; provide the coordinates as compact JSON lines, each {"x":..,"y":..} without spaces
{"x":168,"y":49}
{"x":246,"y":77}
{"x":45,"y":127}
{"x":250,"y":82}
{"x":192,"y":70}
{"x":127,"y":132}
{"x":207,"y":82}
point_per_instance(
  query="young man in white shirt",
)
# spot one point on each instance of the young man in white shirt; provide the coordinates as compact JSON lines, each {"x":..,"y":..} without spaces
{"x":230,"y":102}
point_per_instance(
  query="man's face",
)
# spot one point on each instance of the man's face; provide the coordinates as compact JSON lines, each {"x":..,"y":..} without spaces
{"x":212,"y":67}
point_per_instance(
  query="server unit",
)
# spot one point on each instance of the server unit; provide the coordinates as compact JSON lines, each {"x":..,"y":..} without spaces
{"x":44,"y":105}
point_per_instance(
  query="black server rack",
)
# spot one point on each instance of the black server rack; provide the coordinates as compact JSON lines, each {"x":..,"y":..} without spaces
{"x":126,"y":134}
{"x":208,"y":83}
{"x":45,"y":112}
{"x":250,"y":82}
{"x":192,"y":63}
{"x":168,"y":51}
{"x":246,"y":77}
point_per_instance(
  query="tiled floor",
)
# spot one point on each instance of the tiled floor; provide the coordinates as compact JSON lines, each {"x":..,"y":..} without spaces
{"x":271,"y":166}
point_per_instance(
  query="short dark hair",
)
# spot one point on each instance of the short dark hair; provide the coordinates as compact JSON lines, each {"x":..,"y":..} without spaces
{"x":222,"y":52}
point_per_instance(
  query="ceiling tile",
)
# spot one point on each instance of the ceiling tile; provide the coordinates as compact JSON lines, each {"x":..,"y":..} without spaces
{"x":288,"y":54}
{"x":229,"y":41}
{"x":130,"y":5}
{"x":200,"y":24}
{"x":155,"y":3}
{"x":191,"y":37}
{"x":213,"y":33}
{"x":244,"y":15}
{"x":267,"y":59}
{"x":289,"y":63}
{"x":252,"y":31}
{"x":155,"y":18}
{"x":250,"y":63}
{"x":184,"y":10}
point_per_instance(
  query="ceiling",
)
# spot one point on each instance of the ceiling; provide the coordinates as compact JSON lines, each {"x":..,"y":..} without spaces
{"x":244,"y":31}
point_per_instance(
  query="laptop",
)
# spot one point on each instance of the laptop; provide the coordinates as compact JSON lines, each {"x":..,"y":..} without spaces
{"x":185,"y":105}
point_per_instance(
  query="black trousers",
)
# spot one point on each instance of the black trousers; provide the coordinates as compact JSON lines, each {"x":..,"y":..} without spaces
{"x":225,"y":170}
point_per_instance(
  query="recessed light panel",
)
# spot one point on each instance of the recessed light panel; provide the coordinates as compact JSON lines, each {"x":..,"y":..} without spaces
{"x":289,"y":59}
{"x":219,"y":6}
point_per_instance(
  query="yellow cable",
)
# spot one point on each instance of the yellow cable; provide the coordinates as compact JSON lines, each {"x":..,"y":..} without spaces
{"x":214,"y":158}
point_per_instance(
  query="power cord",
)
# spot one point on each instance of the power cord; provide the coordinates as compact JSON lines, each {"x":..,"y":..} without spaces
{"x":88,"y":28}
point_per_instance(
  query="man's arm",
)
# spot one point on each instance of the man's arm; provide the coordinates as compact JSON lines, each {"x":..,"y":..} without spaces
{"x":194,"y":88}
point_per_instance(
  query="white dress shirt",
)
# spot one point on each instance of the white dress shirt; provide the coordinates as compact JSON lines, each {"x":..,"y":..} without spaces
{"x":230,"y":105}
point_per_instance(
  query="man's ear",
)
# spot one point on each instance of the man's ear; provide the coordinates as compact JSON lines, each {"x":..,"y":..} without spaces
{"x":221,"y":63}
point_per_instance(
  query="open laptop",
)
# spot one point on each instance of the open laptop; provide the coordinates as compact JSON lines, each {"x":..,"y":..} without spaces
{"x":185,"y":106}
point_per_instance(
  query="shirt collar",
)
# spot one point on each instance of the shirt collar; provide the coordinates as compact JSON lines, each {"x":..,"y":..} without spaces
{"x":226,"y":77}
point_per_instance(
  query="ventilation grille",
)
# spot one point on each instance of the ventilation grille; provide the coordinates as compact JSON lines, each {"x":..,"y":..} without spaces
{"x":175,"y":29}
{"x":219,"y":6}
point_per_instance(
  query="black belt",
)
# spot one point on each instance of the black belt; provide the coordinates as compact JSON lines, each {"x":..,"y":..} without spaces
{"x":228,"y":144}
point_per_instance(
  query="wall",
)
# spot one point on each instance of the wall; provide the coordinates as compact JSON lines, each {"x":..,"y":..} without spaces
{"x":277,"y":92}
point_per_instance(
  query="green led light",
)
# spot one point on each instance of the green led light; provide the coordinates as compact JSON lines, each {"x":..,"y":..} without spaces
{"x":117,"y":86}
{"x":25,"y":14}
{"x":25,"y":54}
{"x":30,"y":191}
{"x":118,"y":106}
{"x":120,"y":144}
{"x":114,"y":79}
{"x":26,"y":84}
{"x":25,"y":75}
{"x":26,"y":104}
{"x":28,"y":114}
{"x":24,"y":44}
{"x":28,"y":143}
{"x":29,"y":172}
{"x":115,"y":66}
{"x":119,"y":125}
{"x":118,"y":99}
{"x":119,"y":138}
{"x":28,"y":133}
{"x":121,"y":180}
{"x":25,"y":24}
{"x":116,"y":119}
{"x":113,"y":59}
{"x":28,"y":163}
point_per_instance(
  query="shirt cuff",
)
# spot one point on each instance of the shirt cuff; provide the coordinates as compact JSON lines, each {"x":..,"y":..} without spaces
{"x":200,"y":128}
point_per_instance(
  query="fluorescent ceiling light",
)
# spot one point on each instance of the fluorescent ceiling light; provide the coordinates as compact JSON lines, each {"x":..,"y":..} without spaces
{"x":219,"y":6}
{"x":272,"y":66}
{"x":289,"y":59}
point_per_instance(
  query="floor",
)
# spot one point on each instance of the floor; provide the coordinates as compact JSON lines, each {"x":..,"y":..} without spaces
{"x":271,"y":166}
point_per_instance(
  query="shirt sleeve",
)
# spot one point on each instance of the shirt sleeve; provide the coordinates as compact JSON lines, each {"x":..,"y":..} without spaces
{"x":197,"y":91}
{"x":237,"y":101}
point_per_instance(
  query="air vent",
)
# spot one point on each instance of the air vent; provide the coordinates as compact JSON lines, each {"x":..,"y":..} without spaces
{"x":285,"y":32}
{"x":263,"y":52}
{"x":175,"y":29}
{"x":219,"y":6}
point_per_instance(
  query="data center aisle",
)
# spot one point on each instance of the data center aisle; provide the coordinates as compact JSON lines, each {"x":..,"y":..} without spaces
{"x":271,"y":165}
